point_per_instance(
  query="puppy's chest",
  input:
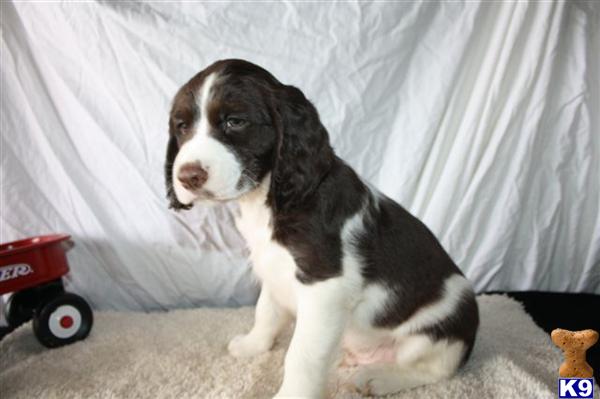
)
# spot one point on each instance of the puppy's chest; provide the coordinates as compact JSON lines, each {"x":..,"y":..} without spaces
{"x":271,"y":262}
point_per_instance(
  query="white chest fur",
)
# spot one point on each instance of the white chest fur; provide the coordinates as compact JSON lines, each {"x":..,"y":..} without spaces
{"x":272,"y":263}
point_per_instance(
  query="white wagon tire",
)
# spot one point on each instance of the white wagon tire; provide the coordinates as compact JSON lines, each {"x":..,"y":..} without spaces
{"x":63,"y":320}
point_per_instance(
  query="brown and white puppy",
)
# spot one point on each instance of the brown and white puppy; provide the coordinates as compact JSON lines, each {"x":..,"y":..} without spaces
{"x":355,"y":269}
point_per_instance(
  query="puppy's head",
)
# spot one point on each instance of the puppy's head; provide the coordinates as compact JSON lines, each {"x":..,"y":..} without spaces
{"x":234,"y":123}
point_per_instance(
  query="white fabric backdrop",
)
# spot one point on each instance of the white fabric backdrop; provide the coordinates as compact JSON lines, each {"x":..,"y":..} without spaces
{"x":482,"y":119}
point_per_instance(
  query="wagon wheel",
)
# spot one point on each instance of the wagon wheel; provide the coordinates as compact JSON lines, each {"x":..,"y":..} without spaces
{"x":63,"y":320}
{"x":19,"y":308}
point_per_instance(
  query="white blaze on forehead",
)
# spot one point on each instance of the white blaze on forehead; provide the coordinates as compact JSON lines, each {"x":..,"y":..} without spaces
{"x":224,"y":170}
{"x":204,"y":98}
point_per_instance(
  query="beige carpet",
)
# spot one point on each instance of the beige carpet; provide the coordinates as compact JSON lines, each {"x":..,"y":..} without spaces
{"x":182,"y":354}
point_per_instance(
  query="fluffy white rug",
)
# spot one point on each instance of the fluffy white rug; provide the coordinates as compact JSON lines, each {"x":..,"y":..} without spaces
{"x":182,"y":354}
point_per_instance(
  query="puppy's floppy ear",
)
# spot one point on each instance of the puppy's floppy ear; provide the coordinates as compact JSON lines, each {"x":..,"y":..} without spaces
{"x":172,"y":149}
{"x":303,"y":155}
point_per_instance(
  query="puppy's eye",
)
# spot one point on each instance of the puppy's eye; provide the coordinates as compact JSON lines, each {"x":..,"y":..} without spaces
{"x":235,"y":123}
{"x":181,"y":126}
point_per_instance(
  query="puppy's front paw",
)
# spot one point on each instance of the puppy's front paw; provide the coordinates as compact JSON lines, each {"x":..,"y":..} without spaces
{"x":247,"y":346}
{"x":368,"y":382}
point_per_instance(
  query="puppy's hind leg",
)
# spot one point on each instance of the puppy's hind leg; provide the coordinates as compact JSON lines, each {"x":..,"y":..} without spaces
{"x":419,"y":361}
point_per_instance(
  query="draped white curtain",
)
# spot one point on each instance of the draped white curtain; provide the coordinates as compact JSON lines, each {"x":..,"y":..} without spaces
{"x":480,"y":118}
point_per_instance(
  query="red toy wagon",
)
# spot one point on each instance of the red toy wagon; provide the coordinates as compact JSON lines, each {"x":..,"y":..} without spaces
{"x":32,"y":270}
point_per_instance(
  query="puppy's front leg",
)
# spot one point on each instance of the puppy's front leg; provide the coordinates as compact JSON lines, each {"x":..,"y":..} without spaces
{"x":321,"y":319}
{"x":269,"y":320}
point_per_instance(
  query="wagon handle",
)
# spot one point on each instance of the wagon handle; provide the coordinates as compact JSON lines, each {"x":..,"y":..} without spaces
{"x":68,"y":244}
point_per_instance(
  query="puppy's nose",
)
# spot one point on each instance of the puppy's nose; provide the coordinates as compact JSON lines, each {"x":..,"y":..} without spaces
{"x":192,"y":176}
